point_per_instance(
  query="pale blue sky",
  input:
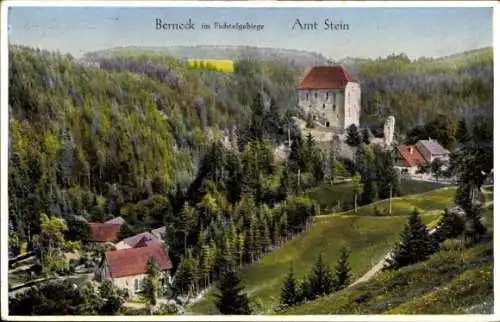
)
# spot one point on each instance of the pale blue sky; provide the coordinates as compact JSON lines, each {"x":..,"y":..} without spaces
{"x":373,"y":31}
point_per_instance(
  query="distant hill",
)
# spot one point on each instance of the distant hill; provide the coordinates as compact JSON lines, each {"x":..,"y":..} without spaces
{"x":297,"y":58}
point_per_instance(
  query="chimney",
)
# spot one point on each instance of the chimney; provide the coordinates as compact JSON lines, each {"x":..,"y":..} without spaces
{"x":410,"y":149}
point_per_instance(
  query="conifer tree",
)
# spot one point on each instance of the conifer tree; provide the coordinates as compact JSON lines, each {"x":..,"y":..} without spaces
{"x":366,"y":136}
{"x":289,"y":290}
{"x":369,"y":193}
{"x":474,"y":227}
{"x":265,"y":237}
{"x":151,"y":286}
{"x":415,"y":245}
{"x":462,"y":134}
{"x":321,"y":278}
{"x":451,"y":225}
{"x":342,"y":270}
{"x":186,"y":222}
{"x":276,"y":237}
{"x":230,"y":300}
{"x":305,"y":291}
{"x":353,"y":137}
{"x":332,"y":160}
{"x":240,"y":248}
{"x":205,"y":265}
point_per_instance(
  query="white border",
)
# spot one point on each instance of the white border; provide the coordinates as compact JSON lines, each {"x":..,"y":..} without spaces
{"x":249,"y":4}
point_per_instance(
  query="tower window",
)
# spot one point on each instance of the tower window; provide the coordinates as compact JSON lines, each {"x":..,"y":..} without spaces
{"x":327,"y":124}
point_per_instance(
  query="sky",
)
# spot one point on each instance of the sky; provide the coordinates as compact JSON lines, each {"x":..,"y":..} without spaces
{"x":373,"y":32}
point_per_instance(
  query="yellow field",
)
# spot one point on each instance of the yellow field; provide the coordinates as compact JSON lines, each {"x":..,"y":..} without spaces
{"x":221,"y":65}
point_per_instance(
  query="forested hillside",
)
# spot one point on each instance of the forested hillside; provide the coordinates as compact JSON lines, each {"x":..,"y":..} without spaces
{"x":417,"y":91}
{"x":297,"y":58}
{"x":145,"y":136}
{"x":85,"y":141}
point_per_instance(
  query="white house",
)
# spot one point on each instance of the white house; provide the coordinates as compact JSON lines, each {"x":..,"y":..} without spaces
{"x":126,"y":268}
{"x":332,"y":96}
{"x":431,"y":150}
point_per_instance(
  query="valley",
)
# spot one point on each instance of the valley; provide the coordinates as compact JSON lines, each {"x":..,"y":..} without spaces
{"x":150,"y":177}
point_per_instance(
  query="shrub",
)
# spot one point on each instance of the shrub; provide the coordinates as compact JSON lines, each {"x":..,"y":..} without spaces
{"x":378,"y":212}
{"x":452,"y":244}
{"x":168,"y":309}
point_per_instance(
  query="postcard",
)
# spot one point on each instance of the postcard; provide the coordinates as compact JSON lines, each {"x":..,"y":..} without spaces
{"x":247,"y":160}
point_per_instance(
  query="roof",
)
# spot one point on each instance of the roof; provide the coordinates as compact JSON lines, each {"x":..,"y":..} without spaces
{"x":327,"y":77}
{"x":132,"y":261}
{"x":159,"y":232}
{"x":411,"y":156}
{"x":433,"y":147}
{"x":146,"y":238}
{"x":117,"y":220}
{"x":102,"y":232}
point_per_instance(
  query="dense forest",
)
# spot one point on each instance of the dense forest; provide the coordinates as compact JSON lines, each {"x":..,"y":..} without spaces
{"x":144,"y":137}
{"x":415,"y":92}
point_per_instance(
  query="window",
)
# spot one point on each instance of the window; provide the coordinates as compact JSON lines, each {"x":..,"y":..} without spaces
{"x":315,"y":95}
{"x":136,"y":284}
{"x":307,"y":96}
{"x":326,"y":95}
{"x":327,"y":124}
{"x":324,"y":105}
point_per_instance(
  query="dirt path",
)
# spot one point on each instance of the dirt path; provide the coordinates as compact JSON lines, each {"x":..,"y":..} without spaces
{"x":380,"y":265}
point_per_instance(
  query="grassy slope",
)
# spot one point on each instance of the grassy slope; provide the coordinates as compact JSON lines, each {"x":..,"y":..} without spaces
{"x":435,"y":200}
{"x":369,"y":239}
{"x":328,"y":196}
{"x":456,"y":281}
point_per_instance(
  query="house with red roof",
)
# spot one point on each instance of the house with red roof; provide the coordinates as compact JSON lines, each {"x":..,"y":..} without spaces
{"x":126,"y":268}
{"x":332,"y":96}
{"x":101,"y":233}
{"x":408,"y":159}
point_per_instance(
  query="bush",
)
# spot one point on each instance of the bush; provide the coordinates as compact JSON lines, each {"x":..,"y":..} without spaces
{"x":256,"y":304}
{"x":168,"y":309}
{"x":124,"y":293}
{"x":377,"y":211}
{"x":73,"y":264}
{"x":452,"y":245}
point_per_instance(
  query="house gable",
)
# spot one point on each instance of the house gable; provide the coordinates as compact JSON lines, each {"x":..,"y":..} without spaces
{"x":410,"y":155}
{"x":133,"y":261}
{"x":104,"y":232}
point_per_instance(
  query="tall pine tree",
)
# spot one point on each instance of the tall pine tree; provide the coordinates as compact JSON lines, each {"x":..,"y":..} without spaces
{"x":416,"y":245}
{"x":230,"y":300}
{"x":342,"y":270}
{"x":289,"y":291}
{"x":321,"y":278}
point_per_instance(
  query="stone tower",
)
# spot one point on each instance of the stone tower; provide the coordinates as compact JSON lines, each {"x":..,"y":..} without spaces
{"x":389,"y":130}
